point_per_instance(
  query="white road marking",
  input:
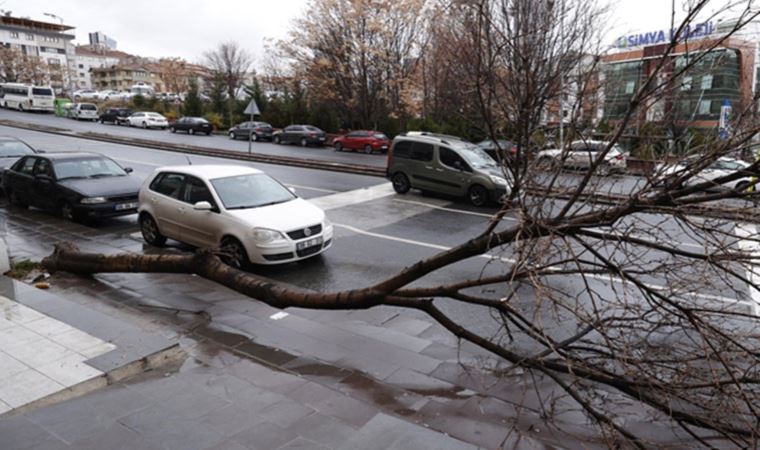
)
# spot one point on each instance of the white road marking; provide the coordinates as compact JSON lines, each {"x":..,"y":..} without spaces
{"x":458,"y":211}
{"x":279,"y":315}
{"x":607,"y":278}
{"x":354,"y":197}
{"x":748,"y":243}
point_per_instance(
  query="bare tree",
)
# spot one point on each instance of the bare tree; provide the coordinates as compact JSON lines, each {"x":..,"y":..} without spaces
{"x":360,"y":56}
{"x":637,"y":302}
{"x":174,"y":74}
{"x":232,"y":63}
{"x":18,"y":67}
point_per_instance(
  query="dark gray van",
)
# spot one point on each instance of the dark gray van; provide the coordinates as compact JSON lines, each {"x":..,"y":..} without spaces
{"x":444,"y":164}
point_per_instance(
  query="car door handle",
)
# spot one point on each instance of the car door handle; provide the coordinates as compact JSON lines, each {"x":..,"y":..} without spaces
{"x":439,"y":170}
{"x":429,"y":167}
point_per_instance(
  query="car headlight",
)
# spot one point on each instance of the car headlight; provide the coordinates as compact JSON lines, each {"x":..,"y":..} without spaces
{"x":327,"y":224}
{"x":265,"y":235}
{"x":498,"y":180}
{"x":93,"y":200}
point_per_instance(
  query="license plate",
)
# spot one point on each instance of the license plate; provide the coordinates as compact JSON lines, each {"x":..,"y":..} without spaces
{"x":321,"y":139}
{"x":123,"y":206}
{"x":309,"y":243}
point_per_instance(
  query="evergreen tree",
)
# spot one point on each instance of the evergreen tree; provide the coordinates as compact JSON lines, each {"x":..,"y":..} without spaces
{"x":193,"y":106}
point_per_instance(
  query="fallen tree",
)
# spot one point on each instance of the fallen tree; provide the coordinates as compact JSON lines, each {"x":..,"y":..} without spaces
{"x":661,"y":311}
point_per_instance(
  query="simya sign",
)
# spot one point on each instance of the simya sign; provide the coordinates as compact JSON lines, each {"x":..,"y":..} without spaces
{"x":697,"y":31}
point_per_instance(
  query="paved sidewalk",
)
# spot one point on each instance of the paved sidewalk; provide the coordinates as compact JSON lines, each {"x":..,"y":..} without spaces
{"x":256,"y":377}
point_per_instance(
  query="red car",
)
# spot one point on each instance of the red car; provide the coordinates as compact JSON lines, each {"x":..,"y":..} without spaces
{"x":364,"y":140}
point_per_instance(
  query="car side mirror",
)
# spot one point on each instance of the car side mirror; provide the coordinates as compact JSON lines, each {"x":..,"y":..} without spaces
{"x":41,"y":151}
{"x":203,"y":206}
{"x":128,"y":170}
{"x":292,"y":189}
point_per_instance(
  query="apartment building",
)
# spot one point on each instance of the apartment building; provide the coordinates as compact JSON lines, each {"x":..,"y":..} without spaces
{"x":52,"y":43}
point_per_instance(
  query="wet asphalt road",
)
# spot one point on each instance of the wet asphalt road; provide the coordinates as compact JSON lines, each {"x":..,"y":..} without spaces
{"x":214,"y":141}
{"x":376,"y":238}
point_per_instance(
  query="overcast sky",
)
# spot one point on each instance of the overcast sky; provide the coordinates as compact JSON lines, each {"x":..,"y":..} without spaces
{"x":188,"y":28}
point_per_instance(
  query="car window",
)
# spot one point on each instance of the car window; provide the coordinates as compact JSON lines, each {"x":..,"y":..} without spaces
{"x":27,"y":165}
{"x":250,"y":191}
{"x":450,"y":158}
{"x":353,"y":134}
{"x":169,"y":184}
{"x":41,"y":91}
{"x":87,"y":167}
{"x":421,"y":151}
{"x":293,"y":129}
{"x":9,"y":149}
{"x":402,"y":149}
{"x":196,"y":191}
{"x":43,"y":168}
{"x":88,"y":107}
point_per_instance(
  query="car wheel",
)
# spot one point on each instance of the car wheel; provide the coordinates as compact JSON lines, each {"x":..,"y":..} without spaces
{"x":401,"y":183}
{"x":477,"y":195}
{"x":741,"y":186}
{"x":233,"y":253}
{"x":255,"y":137}
{"x":208,"y":133}
{"x":304,"y":142}
{"x":20,"y":107}
{"x":149,"y":230}
{"x":16,"y":201}
{"x":368,"y":149}
{"x":190,"y":131}
{"x":338,"y":147}
{"x":144,"y":125}
{"x":276,"y":140}
{"x":102,"y":121}
{"x":232,"y":135}
{"x":603,"y":170}
{"x":172,"y":129}
{"x":67,"y":212}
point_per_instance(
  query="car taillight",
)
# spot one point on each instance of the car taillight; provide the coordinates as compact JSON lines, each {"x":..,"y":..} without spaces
{"x":619,"y":157}
{"x":513,"y":150}
{"x":312,"y":135}
{"x":257,"y":129}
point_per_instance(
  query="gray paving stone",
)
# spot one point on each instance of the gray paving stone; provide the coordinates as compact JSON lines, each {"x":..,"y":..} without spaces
{"x":20,"y":433}
{"x":385,"y":432}
{"x":265,"y":436}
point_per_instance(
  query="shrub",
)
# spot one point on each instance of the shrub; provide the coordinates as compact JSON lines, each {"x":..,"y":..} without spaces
{"x":171,"y":115}
{"x":215,"y":119}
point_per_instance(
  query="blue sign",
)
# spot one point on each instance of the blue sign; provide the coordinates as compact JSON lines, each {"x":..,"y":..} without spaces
{"x":699,"y":30}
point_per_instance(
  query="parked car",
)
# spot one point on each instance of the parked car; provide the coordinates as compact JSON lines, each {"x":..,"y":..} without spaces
{"x":300,"y":134}
{"x":191,"y":125}
{"x":11,"y":149}
{"x":83,"y":111}
{"x":582,"y":154}
{"x":507,"y":149}
{"x":76,"y":186}
{"x":84,"y":94}
{"x":364,"y":140}
{"x":719,"y":168}
{"x":116,"y":116}
{"x":444,"y":164}
{"x":107,"y":95}
{"x":147,"y":120}
{"x":260,"y":131}
{"x":250,"y":216}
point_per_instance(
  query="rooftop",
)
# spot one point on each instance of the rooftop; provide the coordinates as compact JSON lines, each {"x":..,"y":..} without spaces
{"x":34,"y":24}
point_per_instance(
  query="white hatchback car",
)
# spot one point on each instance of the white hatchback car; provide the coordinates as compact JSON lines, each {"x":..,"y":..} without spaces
{"x":582,"y":154}
{"x":244,"y":212}
{"x":147,"y":120}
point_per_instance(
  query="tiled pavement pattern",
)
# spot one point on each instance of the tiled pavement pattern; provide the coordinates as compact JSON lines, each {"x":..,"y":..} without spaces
{"x":40,"y":356}
{"x":383,"y":378}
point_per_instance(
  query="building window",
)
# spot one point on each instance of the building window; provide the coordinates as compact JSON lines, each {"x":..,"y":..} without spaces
{"x":686,"y":85}
{"x":707,"y":81}
{"x":14,"y":34}
{"x":704,"y":107}
{"x":81,"y":66}
{"x":29,"y":37}
{"x":81,"y":74}
{"x":629,"y":86}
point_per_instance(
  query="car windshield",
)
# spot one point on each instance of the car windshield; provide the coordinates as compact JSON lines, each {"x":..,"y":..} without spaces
{"x":88,"y":107}
{"x":476,"y":156}
{"x":726,"y":164}
{"x":380,"y":136}
{"x":10,"y":149}
{"x":250,"y":191}
{"x":91,"y":167}
{"x":155,"y":115}
{"x":315,"y":129}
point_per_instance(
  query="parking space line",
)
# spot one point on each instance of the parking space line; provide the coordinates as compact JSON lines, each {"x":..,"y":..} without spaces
{"x":747,"y":234}
{"x":605,"y":278}
{"x":454,"y":210}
